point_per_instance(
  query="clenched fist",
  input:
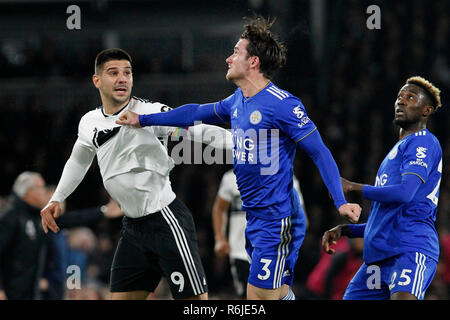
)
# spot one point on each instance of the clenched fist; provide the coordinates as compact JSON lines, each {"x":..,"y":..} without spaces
{"x":129,"y":118}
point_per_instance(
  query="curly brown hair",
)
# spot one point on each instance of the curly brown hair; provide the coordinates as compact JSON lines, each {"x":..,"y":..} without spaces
{"x":265,"y":45}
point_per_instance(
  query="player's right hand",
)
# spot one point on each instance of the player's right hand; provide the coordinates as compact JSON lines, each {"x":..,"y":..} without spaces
{"x":351,"y":211}
{"x":129,"y":118}
{"x":331,"y":237}
{"x":51,"y":212}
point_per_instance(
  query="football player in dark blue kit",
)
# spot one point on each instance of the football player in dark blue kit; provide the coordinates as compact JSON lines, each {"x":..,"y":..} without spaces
{"x":268,"y":124}
{"x":401,"y":246}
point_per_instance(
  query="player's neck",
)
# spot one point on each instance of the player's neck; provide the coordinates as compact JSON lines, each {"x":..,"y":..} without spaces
{"x":109,"y":107}
{"x":251,"y":86}
{"x":412,"y":129}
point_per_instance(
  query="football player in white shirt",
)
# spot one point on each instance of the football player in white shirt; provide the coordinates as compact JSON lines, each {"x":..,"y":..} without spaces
{"x":158,"y":235}
{"x":228,"y":203}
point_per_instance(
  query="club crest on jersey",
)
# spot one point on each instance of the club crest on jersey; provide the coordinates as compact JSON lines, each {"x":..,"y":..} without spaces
{"x":100,"y":137}
{"x":421,"y":152}
{"x":393,"y":153}
{"x":255,"y":117}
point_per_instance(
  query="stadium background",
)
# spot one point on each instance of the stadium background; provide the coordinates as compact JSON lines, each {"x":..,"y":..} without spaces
{"x":346,"y":75}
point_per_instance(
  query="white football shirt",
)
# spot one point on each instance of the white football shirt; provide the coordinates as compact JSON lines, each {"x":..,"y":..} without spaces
{"x":134,"y":164}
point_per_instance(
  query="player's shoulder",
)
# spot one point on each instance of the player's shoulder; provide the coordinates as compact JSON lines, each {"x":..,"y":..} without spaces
{"x":424,"y":140}
{"x":92,"y":115}
{"x":424,"y":136}
{"x":228,"y":181}
{"x":283,"y":99}
{"x":143,"y":105}
{"x":229,"y":175}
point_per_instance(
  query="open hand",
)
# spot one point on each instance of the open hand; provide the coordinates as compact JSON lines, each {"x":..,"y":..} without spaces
{"x":51,"y":212}
{"x":331,"y":237}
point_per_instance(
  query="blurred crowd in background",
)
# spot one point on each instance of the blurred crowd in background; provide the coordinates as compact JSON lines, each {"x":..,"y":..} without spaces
{"x":348,"y":86}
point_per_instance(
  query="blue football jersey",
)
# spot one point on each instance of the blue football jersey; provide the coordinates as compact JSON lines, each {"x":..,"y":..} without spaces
{"x":265,"y":128}
{"x":394,"y":228}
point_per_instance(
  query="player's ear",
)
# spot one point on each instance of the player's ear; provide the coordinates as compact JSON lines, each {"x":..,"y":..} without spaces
{"x":255,"y":62}
{"x":96,"y":80}
{"x":427,"y":110}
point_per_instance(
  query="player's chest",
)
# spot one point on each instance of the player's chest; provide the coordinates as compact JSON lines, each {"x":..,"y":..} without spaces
{"x":250,"y":115}
{"x":389,"y":171}
{"x":102,"y":130}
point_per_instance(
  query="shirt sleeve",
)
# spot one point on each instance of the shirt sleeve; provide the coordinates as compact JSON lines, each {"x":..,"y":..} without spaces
{"x":223,"y":107}
{"x":164,"y":131}
{"x":313,"y":145}
{"x":357,"y":230}
{"x":403,"y":192}
{"x":292,"y":119}
{"x":74,"y":170}
{"x":214,"y":136}
{"x":226,"y":187}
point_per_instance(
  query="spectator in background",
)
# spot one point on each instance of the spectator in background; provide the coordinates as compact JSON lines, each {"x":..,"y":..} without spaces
{"x":26,"y":254}
{"x":332,"y":274}
{"x":22,"y":240}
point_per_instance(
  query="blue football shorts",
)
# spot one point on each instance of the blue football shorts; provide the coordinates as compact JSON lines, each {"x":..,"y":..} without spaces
{"x":272,"y":247}
{"x":410,"y":272}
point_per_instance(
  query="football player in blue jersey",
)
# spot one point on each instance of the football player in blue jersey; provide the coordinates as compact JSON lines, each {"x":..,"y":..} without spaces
{"x":401,"y":246}
{"x":268,"y":124}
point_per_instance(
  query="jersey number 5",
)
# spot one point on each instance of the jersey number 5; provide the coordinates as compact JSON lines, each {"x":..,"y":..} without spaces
{"x":433,"y":195}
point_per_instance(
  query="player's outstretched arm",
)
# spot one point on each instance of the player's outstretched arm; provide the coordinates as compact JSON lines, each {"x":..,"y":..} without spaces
{"x":321,"y":155}
{"x":185,"y":115}
{"x":400,"y":193}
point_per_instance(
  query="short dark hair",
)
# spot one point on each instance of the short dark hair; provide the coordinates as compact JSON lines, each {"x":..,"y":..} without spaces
{"x":265,"y":45}
{"x":108,"y":55}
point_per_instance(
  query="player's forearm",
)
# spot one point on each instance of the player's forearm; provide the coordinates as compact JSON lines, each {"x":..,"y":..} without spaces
{"x":74,"y":171}
{"x":219,"y":218}
{"x":185,"y":115}
{"x":215,"y":136}
{"x":218,"y":225}
{"x":402,"y":193}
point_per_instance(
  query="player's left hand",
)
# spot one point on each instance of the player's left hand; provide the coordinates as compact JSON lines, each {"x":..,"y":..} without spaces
{"x":351,"y":211}
{"x":129,"y":118}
